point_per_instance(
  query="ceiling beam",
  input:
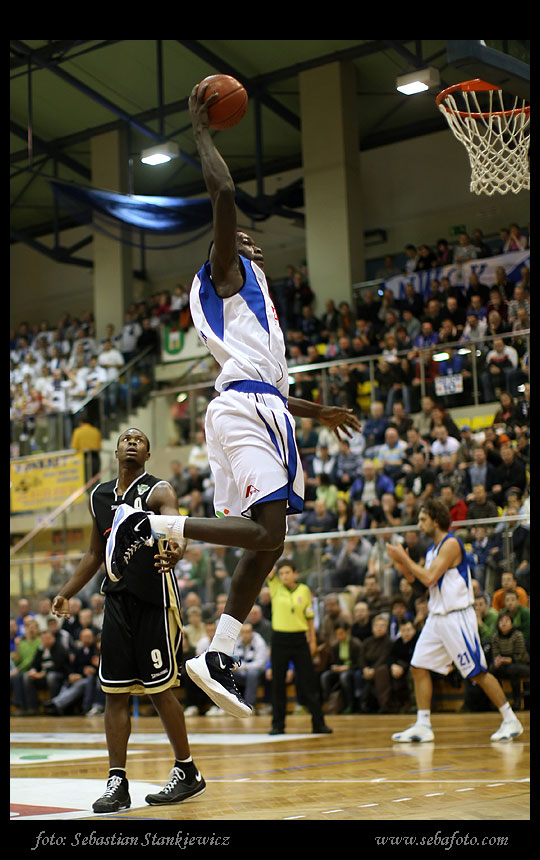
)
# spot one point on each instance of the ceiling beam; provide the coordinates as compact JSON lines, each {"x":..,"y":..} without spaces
{"x":59,"y":255}
{"x":51,"y":150}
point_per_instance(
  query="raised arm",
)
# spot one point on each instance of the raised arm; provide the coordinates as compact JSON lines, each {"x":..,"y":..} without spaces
{"x":448,"y":556}
{"x":219,"y":183}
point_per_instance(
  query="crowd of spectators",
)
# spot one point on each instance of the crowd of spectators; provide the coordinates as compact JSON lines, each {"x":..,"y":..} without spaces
{"x":56,"y":370}
{"x":368,"y":616}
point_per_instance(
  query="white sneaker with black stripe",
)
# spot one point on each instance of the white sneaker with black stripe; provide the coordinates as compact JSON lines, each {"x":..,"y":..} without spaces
{"x":418,"y":733}
{"x":213,"y":672}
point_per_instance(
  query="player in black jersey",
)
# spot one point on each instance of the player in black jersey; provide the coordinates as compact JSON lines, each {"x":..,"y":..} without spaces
{"x":142,"y":629}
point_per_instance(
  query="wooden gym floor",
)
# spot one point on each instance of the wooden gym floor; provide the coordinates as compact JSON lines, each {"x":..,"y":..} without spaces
{"x":59,"y":767}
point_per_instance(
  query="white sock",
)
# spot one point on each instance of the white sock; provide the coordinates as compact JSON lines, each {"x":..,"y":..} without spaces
{"x":227,"y":632}
{"x":423,"y":718}
{"x":171,"y":528}
{"x":506,"y":712}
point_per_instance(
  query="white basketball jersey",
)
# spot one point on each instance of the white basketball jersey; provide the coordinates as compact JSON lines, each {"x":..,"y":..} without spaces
{"x":453,"y":590}
{"x":242,"y":332}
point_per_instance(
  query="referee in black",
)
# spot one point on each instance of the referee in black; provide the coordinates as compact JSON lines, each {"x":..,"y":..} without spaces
{"x":292,"y":627}
{"x":141,"y":638}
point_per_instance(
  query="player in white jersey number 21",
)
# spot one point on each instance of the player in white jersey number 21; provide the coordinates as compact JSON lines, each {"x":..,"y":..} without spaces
{"x":450,"y":634}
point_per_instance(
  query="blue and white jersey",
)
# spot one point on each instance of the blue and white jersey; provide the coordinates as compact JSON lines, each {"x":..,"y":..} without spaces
{"x":241,"y":332}
{"x":453,"y":590}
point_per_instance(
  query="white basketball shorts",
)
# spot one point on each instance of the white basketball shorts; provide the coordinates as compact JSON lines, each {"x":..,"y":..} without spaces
{"x":450,"y":639}
{"x":252,"y":453}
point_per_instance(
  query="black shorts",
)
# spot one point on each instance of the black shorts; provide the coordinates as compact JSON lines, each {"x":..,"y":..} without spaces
{"x":141,"y":646}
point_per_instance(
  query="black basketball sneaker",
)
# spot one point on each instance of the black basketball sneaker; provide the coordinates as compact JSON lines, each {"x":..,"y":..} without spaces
{"x":115,"y":797}
{"x":178,"y":788}
{"x":130,"y":532}
{"x":213,"y":672}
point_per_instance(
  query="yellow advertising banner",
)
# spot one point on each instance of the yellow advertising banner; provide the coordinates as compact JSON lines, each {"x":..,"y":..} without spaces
{"x":45,"y":480}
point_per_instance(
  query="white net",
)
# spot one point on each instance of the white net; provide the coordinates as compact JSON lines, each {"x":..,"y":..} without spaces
{"x":496,"y":137}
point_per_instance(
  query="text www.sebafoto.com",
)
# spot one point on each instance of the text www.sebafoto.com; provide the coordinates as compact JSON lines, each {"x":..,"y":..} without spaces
{"x":455,"y":840}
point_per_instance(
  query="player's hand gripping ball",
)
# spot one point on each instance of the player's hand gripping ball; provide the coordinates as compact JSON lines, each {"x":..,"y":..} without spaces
{"x":231,"y":103}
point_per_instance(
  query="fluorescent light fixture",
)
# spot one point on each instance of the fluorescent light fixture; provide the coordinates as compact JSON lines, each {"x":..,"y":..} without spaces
{"x":441,"y":356}
{"x":418,"y":81}
{"x":161,"y":153}
{"x":464,"y":351}
{"x":181,"y":397}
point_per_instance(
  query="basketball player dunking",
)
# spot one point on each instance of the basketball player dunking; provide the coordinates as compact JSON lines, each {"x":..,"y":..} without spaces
{"x":450,"y":634}
{"x":249,"y":428}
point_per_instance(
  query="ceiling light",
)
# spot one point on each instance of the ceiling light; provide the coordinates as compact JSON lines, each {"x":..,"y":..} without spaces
{"x":441,"y":356}
{"x":161,"y":153}
{"x":418,"y":81}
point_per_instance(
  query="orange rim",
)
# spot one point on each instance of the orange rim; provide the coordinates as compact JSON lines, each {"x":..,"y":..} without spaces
{"x":476,"y":85}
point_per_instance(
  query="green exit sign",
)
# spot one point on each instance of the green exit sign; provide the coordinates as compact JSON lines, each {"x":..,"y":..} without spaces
{"x":457,"y":229}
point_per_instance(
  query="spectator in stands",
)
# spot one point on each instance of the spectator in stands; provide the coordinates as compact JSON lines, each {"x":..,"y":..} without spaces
{"x":388,"y":269}
{"x":412,"y":259}
{"x":399,"y":612}
{"x":344,"y":673}
{"x":324,"y":463}
{"x":112,"y":360}
{"x":86,"y":439}
{"x":498,"y":303}
{"x":444,"y":254}
{"x":515,"y":241}
{"x":401,"y":420}
{"x":475,"y":327}
{"x":481,"y":472}
{"x":480,"y":244}
{"x":351,"y":563}
{"x":333,"y":613}
{"x":465,"y":251}
{"x":361,"y":628}
{"x":198,"y":455}
{"x":449,"y":476}
{"x":375,"y":653}
{"x":80,"y":683}
{"x":456,"y":506}
{"x":523,"y":410}
{"x":486,"y":616}
{"x":49,"y":669}
{"x":421,"y":479}
{"x":520,"y":615}
{"x":348,"y":466}
{"x":503,"y":283}
{"x":409,"y":507}
{"x":370,"y":486}
{"x":392,"y":687}
{"x":253,"y":652}
{"x":509,"y":583}
{"x":443,"y":446}
{"x":24,"y":610}
{"x":483,"y":546}
{"x":504,"y":417}
{"x":411,"y":301}
{"x":511,"y":473}
{"x":519,"y":300}
{"x":510,"y":656}
{"x":392,"y":454}
{"x":259,"y":623}
{"x":128,"y":336}
{"x":318,"y":520}
{"x":375,"y":428}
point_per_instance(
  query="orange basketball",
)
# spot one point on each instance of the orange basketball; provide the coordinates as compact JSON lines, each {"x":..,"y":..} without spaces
{"x":229,"y":108}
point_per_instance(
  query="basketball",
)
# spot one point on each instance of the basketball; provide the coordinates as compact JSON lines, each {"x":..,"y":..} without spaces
{"x":230,"y":106}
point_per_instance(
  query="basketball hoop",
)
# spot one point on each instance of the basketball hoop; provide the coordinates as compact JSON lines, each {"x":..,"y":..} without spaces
{"x":495,"y":135}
